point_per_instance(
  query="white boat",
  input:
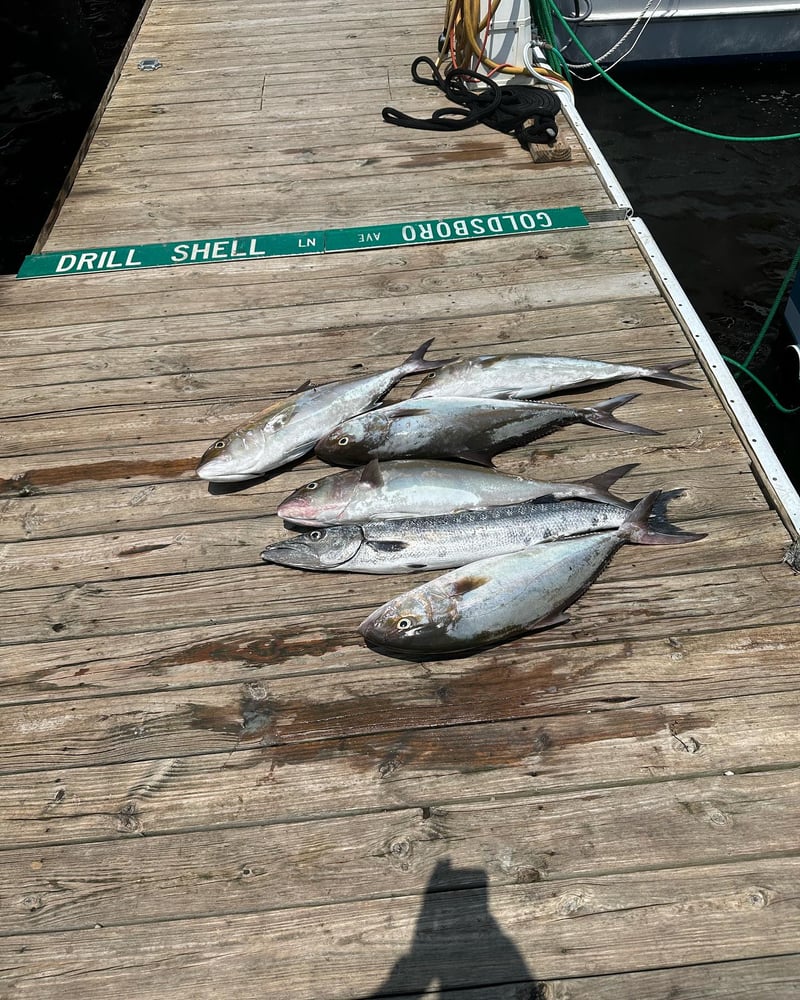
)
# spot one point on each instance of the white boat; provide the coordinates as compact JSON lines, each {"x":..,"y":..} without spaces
{"x":680,"y":31}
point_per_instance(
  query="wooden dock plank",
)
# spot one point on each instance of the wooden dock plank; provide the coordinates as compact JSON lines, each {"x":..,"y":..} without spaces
{"x":618,"y":740}
{"x":682,"y":823}
{"x":208,"y":782}
{"x":658,"y":919}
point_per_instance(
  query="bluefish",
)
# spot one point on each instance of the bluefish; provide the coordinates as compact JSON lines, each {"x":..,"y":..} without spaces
{"x":289,"y":428}
{"x":527,"y":376}
{"x":468,"y":428}
{"x":499,"y":598}
{"x":414,"y":487}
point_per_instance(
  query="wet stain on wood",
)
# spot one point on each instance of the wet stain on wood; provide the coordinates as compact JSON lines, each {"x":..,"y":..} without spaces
{"x":255,"y":649}
{"x":36,"y":480}
{"x":252,"y":719}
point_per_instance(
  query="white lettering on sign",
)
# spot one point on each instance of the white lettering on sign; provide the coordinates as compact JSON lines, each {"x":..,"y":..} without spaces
{"x":510,"y":222}
{"x":369,"y":237}
{"x":253,"y":251}
{"x":92,"y":260}
{"x":307,"y":242}
{"x":66,"y":263}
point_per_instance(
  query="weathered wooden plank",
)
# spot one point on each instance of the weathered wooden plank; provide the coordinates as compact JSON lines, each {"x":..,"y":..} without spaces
{"x":775,"y":977}
{"x":608,"y":925}
{"x":534,"y":254}
{"x":710,"y":491}
{"x":339,"y":151}
{"x":570,"y":457}
{"x":591,"y":742}
{"x":181,"y":172}
{"x":227,"y":544}
{"x":588,"y":327}
{"x":627,"y":600}
{"x":661,"y":409}
{"x":720,"y":819}
{"x":128,"y":363}
{"x":178,"y":162}
{"x":602,"y":278}
{"x":184,"y":215}
{"x":226,"y":717}
{"x":248,"y":373}
{"x":194,"y":656}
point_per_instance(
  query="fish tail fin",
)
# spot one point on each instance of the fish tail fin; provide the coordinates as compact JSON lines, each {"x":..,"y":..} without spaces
{"x":601,"y":416}
{"x":599,"y":487}
{"x":663,"y":373}
{"x":416,"y":361}
{"x":636,"y":530}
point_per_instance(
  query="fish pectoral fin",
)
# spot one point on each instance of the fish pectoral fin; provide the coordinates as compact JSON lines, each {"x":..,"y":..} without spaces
{"x":386,"y":546}
{"x":371,"y":475}
{"x":551,"y":620}
{"x":509,"y":392}
{"x":476,"y":457}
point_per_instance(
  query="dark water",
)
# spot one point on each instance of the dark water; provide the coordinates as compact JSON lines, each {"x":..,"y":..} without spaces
{"x":726,"y":215}
{"x":56,"y":57}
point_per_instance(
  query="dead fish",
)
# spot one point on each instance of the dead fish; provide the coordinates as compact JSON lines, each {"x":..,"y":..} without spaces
{"x":414,"y":487}
{"x":467,"y":428}
{"x":440,"y":542}
{"x":289,"y":428}
{"x":527,"y":376}
{"x":505,"y":596}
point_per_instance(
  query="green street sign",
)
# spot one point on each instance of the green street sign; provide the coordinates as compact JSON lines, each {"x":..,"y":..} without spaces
{"x":130,"y":258}
{"x":97,"y":260}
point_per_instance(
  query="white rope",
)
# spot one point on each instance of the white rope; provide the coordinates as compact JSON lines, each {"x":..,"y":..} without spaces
{"x":646,"y":13}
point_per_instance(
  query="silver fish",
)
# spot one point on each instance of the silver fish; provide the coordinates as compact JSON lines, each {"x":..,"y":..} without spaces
{"x":444,"y":541}
{"x":468,"y":428}
{"x":527,"y":376}
{"x":413,"y":488}
{"x":289,"y":428}
{"x":502,"y":597}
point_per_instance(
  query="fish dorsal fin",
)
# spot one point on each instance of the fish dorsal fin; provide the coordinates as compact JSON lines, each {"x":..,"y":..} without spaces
{"x":371,"y":475}
{"x":308,"y":384}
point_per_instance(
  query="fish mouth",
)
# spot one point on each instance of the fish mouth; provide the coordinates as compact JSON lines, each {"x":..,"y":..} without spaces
{"x":217,"y":470}
{"x":295,"y":557}
{"x":298,"y":513}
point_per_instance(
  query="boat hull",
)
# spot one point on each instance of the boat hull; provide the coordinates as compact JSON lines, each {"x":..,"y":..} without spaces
{"x":685,"y":32}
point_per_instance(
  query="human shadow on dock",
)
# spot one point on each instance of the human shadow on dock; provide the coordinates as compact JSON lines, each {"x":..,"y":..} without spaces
{"x":458,"y":944}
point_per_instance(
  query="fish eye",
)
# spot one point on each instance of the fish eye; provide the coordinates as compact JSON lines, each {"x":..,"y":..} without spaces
{"x":311,"y":486}
{"x":219,"y":444}
{"x":316,"y":535}
{"x":431,"y":376}
{"x":404,"y":623}
{"x":344,"y":440}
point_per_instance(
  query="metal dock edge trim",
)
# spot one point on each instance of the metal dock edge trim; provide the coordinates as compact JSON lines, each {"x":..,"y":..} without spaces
{"x":596,"y":158}
{"x":772,"y":474}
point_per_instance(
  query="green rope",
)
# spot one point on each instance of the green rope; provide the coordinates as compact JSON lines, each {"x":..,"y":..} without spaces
{"x":761,"y":386}
{"x":771,"y":315}
{"x":658,"y":114}
{"x":540,"y":12}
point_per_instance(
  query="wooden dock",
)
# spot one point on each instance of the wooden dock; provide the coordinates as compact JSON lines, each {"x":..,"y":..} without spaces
{"x":210,"y":787}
